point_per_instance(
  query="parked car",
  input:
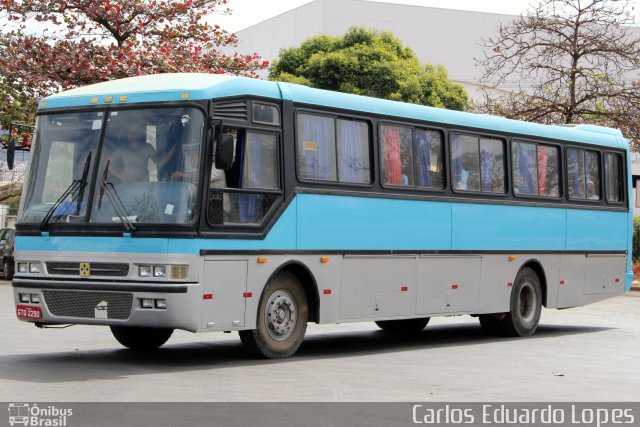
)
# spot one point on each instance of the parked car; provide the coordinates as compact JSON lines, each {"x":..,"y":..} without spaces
{"x":7,"y":237}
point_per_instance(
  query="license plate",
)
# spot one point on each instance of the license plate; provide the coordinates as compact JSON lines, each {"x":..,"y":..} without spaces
{"x":28,"y":312}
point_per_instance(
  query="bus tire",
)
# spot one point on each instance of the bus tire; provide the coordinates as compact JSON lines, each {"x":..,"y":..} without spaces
{"x":283,"y":313}
{"x":7,"y":269}
{"x":526,"y":305}
{"x":403,"y":325}
{"x":141,"y":338}
{"x":491,"y":325}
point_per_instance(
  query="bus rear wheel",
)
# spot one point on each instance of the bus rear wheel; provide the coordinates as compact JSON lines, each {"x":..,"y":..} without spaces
{"x":403,"y":325}
{"x":282,"y":319}
{"x":141,"y":338}
{"x":526,"y":305}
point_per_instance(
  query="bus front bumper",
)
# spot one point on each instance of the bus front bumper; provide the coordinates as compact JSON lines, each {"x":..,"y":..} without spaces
{"x":155,"y":305}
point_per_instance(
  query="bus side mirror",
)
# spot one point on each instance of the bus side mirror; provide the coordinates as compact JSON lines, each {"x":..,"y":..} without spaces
{"x":224,"y":152}
{"x":11,"y":152}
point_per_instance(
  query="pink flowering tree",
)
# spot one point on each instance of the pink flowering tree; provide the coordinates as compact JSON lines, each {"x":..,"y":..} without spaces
{"x":80,"y":42}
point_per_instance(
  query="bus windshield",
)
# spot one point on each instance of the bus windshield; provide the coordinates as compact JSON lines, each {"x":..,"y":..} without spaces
{"x":141,"y":166}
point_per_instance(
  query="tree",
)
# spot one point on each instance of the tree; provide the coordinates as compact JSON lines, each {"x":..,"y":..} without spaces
{"x":367,"y":62}
{"x":87,"y":41}
{"x":574,"y":61}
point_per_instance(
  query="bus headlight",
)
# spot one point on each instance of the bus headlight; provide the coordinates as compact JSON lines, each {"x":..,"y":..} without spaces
{"x":23,"y":267}
{"x":24,"y":298}
{"x":159,"y":271}
{"x":144,"y":270}
{"x":34,"y":267}
{"x":179,"y":272}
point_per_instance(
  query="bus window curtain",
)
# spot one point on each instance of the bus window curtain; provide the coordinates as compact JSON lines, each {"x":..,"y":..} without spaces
{"x":456,"y":162}
{"x":392,"y":161}
{"x":423,"y":145}
{"x":318,"y":146}
{"x":353,"y":155}
{"x":542,"y":171}
{"x":526,"y":159}
{"x":250,"y":205}
{"x":486,"y":170}
{"x":574,"y":171}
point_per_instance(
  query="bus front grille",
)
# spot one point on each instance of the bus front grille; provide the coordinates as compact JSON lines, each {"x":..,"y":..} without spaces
{"x":93,"y":305}
{"x":96,"y":269}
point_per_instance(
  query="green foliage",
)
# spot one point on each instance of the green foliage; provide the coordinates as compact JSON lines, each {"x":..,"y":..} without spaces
{"x":370,"y":63}
{"x":636,"y":239}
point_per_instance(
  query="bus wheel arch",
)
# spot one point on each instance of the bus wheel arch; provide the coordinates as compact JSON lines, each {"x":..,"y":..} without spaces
{"x":536,"y":266}
{"x":308,"y":282}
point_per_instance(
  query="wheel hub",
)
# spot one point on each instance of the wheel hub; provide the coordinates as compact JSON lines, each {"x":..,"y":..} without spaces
{"x":280,"y":315}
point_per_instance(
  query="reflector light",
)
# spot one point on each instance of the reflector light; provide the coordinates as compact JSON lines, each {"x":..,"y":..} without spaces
{"x":404,"y":288}
{"x":562,"y":282}
{"x":207,"y":296}
{"x":454,"y":286}
{"x":247,"y":294}
{"x":324,"y":259}
{"x":509,"y":284}
{"x":262,"y":260}
{"x":327,"y":292}
{"x":617,"y":280}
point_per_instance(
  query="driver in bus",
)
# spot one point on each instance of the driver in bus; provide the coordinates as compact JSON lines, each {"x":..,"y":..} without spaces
{"x":131,"y":162}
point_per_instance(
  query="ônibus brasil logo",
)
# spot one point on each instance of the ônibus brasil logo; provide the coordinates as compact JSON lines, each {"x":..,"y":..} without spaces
{"x":26,"y":414}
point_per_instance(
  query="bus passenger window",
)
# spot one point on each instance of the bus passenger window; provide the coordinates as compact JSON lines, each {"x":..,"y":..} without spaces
{"x":465,"y":164}
{"x":584,"y":174}
{"x":614,"y":180}
{"x":397,"y":157}
{"x":316,"y":147}
{"x":245,"y":193}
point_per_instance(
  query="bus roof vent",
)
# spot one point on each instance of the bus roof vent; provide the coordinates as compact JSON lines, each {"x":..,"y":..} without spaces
{"x":231,"y":110}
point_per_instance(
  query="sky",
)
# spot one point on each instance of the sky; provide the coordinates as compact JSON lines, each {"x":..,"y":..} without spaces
{"x":246,"y":13}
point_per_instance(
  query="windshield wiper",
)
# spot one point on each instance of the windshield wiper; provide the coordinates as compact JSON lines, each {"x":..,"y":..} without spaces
{"x":118,"y":207}
{"x":77,"y":185}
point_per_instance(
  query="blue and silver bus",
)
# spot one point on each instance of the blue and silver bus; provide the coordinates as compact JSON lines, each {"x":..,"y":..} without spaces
{"x":220,"y":203}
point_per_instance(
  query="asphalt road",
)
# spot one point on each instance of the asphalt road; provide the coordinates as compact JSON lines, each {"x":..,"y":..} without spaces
{"x":585,"y":354}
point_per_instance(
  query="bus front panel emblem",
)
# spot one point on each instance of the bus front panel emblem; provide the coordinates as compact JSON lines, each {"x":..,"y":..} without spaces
{"x":85,"y":269}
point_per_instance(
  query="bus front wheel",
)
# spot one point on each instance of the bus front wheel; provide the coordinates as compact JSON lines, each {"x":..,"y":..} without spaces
{"x":282,"y":319}
{"x":403,"y":325}
{"x":526,"y":305}
{"x":141,"y":338}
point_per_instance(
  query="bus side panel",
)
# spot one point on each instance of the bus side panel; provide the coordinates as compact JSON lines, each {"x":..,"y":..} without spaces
{"x":596,"y":230}
{"x":448,"y":284}
{"x":378,"y":286}
{"x":360,"y":223}
{"x":491,"y":227}
{"x":223,"y":301}
{"x":497,"y":273}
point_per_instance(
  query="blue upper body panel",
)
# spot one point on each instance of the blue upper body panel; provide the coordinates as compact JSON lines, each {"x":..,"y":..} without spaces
{"x":183,"y":87}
